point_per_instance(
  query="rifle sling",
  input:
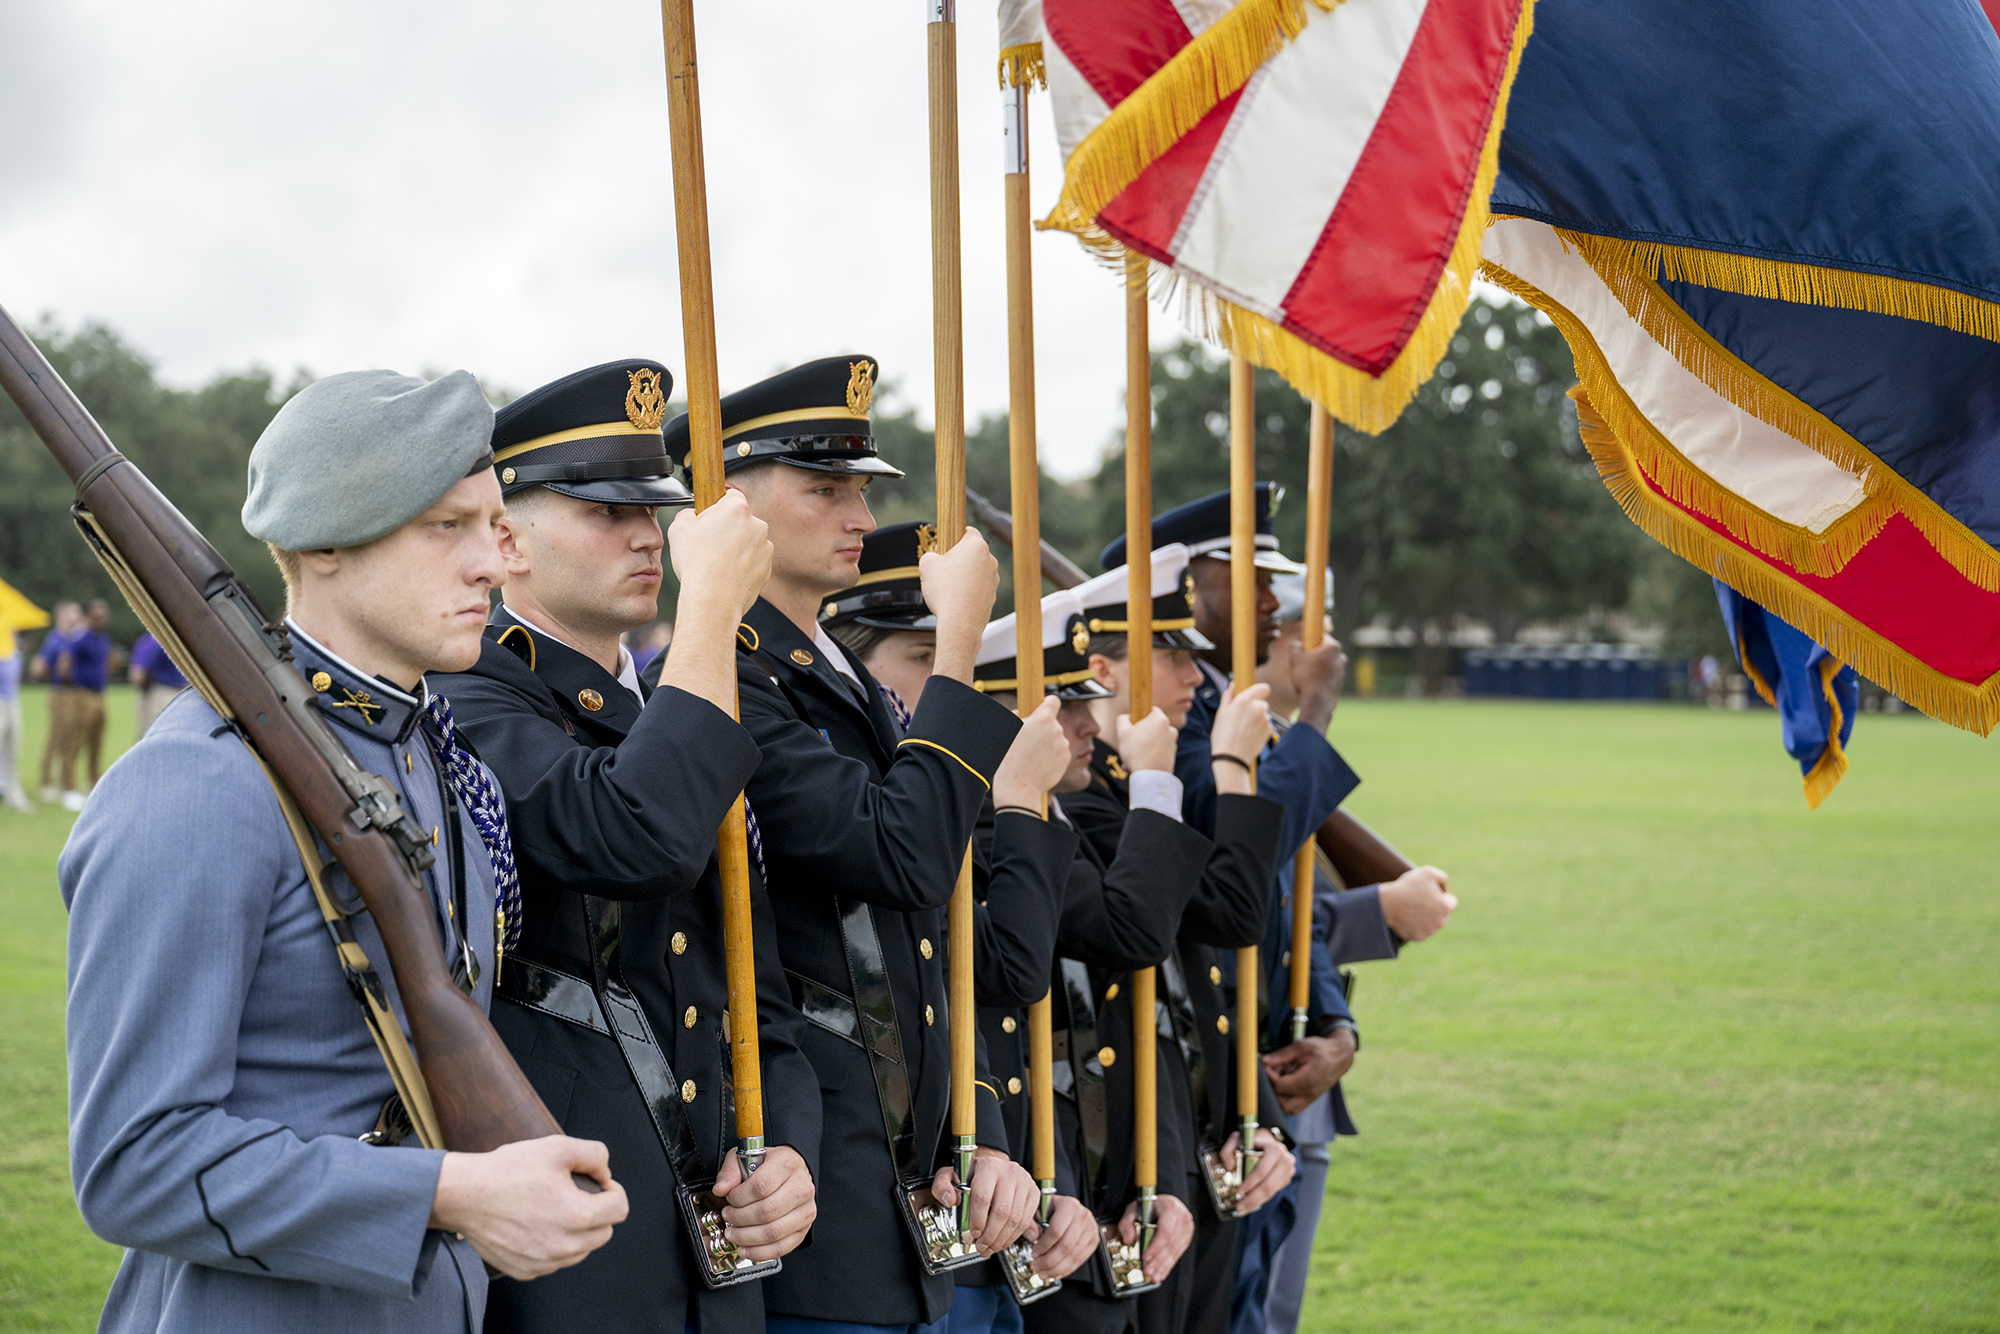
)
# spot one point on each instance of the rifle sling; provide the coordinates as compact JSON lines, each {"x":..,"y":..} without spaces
{"x":355,"y":966}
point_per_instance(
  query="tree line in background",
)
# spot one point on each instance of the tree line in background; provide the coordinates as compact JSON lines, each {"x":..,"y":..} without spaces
{"x":1480,"y":502}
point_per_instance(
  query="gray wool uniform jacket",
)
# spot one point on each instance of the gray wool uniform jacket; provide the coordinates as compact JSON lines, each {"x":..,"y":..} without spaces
{"x":219,"y":1069}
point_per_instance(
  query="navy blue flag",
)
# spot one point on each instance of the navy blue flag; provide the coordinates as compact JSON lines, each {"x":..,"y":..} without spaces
{"x":1815,"y":695}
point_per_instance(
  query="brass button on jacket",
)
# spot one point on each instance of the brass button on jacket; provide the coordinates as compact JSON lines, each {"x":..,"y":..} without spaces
{"x":1014,"y":1084}
{"x":687,"y":1091}
{"x":1111,"y":992}
{"x":680,"y":942}
{"x":687,"y":1020}
{"x":930,"y":1015}
{"x":924,"y":947}
{"x":1107,"y":1057}
{"x":1222,"y":1023}
{"x":1007,"y":1024}
{"x":1215,"y":974}
{"x":590,"y":699}
{"x":801,"y":657}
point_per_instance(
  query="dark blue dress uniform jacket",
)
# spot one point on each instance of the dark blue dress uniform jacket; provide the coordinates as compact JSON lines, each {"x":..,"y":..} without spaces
{"x":1308,"y":776}
{"x":854,"y":809}
{"x":1224,"y":908}
{"x":620,"y":802}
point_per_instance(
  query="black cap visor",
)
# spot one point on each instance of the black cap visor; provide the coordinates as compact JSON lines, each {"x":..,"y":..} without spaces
{"x":849,"y":453}
{"x":1192,"y":640}
{"x":659,"y":491}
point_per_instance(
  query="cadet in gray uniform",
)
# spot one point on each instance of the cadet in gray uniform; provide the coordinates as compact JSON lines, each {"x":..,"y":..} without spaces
{"x":221,"y":1074}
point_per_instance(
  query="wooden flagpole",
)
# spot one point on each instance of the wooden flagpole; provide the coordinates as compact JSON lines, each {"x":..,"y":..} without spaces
{"x":1025,"y":482}
{"x":1139,"y":688}
{"x":1312,"y":628}
{"x":705,"y":464}
{"x":948,"y":370}
{"x":1243,"y":670}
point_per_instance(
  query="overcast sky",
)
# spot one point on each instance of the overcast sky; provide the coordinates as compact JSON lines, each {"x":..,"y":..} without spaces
{"x":486,"y":185}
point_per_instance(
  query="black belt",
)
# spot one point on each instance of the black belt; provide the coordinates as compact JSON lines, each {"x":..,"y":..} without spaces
{"x":611,"y":1009}
{"x":867,"y":1018}
{"x":1180,"y":1012}
{"x":1085,"y":1085}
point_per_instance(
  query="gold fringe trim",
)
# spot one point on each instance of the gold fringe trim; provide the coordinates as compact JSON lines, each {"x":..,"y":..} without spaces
{"x":1805,"y":284}
{"x":1721,"y":370}
{"x":1823,"y":554}
{"x":1831,"y":767}
{"x":1363,"y":401}
{"x":1974,"y":707}
{"x":1022,"y":67}
{"x":1367,"y":402}
{"x":1154,"y":117}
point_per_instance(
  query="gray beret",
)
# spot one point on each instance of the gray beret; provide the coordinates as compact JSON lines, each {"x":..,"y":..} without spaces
{"x":357,"y":455}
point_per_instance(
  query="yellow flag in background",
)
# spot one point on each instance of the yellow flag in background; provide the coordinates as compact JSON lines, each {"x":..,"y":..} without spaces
{"x":16,"y":613}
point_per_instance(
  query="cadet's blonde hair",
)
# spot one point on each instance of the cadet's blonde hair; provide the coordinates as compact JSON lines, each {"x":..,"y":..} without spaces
{"x":290,"y":568}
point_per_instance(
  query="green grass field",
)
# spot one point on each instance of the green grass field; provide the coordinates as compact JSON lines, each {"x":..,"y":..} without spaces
{"x":1689,"y":1057}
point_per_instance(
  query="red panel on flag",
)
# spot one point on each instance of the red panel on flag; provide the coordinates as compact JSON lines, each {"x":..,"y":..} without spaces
{"x":1900,"y":588}
{"x":1148,"y":212}
{"x":1371,"y":276}
{"x":1115,"y":47}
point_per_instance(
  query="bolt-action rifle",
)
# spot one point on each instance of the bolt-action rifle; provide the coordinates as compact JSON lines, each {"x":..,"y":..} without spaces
{"x":241,"y":661}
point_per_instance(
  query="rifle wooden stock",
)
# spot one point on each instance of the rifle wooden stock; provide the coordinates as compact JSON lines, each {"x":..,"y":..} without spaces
{"x":1359,"y":855}
{"x":1057,"y":568}
{"x":481,"y":1098}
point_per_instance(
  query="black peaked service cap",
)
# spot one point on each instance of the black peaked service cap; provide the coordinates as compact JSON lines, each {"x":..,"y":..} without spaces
{"x":812,"y":416}
{"x":889,"y":595}
{"x":1202,"y":526}
{"x":594,"y":435}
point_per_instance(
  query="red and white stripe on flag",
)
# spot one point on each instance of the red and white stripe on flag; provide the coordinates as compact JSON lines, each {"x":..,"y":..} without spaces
{"x":1318,"y":172}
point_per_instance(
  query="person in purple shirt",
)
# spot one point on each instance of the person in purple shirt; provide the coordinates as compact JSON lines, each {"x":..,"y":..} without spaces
{"x":158,"y":680}
{"x":51,"y":665}
{"x":84,"y":667}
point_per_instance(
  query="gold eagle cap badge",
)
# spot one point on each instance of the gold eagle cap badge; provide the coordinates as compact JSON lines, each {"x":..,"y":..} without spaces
{"x":645,"y":403}
{"x":927,"y":539}
{"x":1079,"y":635}
{"x":860,"y":386}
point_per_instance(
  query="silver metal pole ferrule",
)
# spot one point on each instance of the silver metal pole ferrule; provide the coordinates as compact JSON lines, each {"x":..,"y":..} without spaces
{"x":966,"y":1144}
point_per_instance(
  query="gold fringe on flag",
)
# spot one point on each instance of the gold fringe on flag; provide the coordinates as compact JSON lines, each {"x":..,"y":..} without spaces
{"x":1022,"y":67}
{"x":1818,"y":553}
{"x":1615,"y":443}
{"x":1169,"y":104}
{"x":1831,"y":766}
{"x":1721,"y":370}
{"x":1367,"y":402}
{"x":1803,"y":284}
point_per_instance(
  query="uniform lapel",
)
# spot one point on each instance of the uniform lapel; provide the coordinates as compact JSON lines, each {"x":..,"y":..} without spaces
{"x":577,"y":682}
{"x":801,"y":667}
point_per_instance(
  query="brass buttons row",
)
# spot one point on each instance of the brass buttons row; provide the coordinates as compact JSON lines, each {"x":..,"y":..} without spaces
{"x":1215,"y":975}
